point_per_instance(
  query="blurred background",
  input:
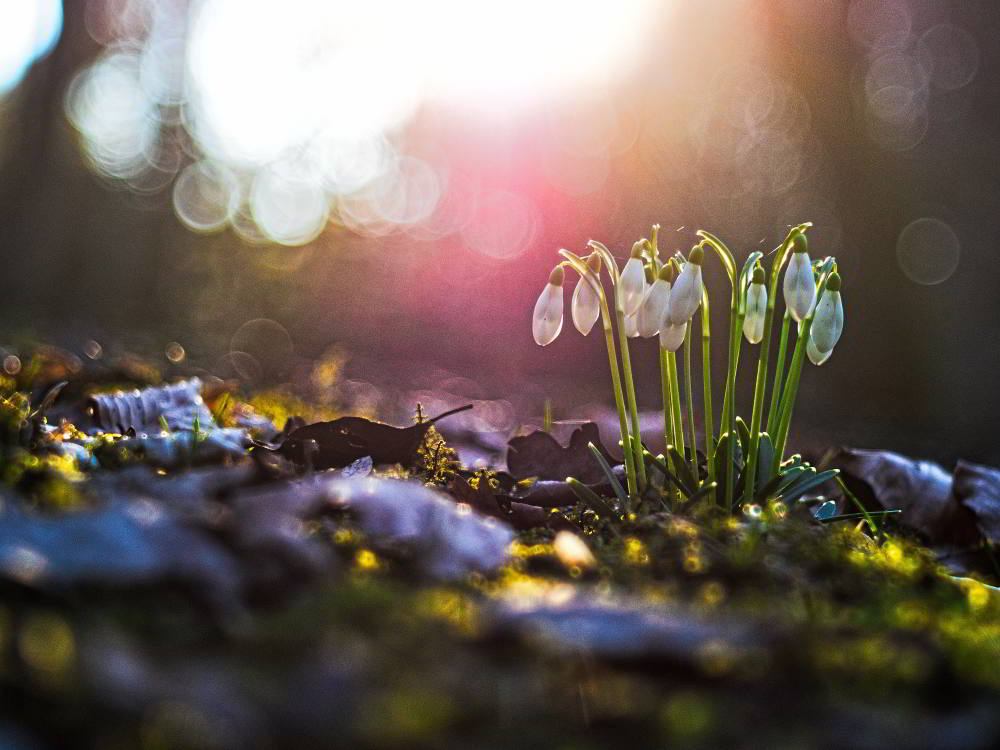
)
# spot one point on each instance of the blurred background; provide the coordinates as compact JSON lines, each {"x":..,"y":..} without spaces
{"x":253,"y":185}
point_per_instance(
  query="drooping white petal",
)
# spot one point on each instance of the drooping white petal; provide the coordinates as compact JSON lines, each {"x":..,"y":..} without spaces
{"x":815,"y":355}
{"x":671,"y":336}
{"x":753,"y":323}
{"x":828,"y":322}
{"x":654,"y":308}
{"x":632,"y":285}
{"x":685,"y":297}
{"x":546,"y":323}
{"x":585,"y":307}
{"x":632,"y":325}
{"x":799,"y":286}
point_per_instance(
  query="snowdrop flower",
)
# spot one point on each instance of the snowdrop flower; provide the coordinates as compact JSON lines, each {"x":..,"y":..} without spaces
{"x":828,"y":321}
{"x":546,"y":323}
{"x":685,"y":297}
{"x":586,"y":304}
{"x":654,"y":307}
{"x":815,"y":355}
{"x":800,"y":286}
{"x":753,"y":323}
{"x":632,"y":326}
{"x":671,"y":336}
{"x":632,"y":283}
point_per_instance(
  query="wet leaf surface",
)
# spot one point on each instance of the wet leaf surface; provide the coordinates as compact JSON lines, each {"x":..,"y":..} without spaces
{"x":540,"y":455}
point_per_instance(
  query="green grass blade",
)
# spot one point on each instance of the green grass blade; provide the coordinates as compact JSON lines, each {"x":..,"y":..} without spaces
{"x":798,"y":488}
{"x":591,"y":499}
{"x":687,"y":481}
{"x":612,"y":479}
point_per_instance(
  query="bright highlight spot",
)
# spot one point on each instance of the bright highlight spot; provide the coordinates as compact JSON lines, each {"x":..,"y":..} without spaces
{"x":28,"y":30}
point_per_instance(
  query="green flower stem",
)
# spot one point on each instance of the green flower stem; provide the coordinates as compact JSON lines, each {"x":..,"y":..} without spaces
{"x":765,"y":350}
{"x":627,"y":444}
{"x":790,"y":392}
{"x":668,"y":424}
{"x":636,"y":440}
{"x":633,"y":441}
{"x":616,"y":384}
{"x":706,"y":374}
{"x":675,"y":401}
{"x":791,"y":389}
{"x":730,"y":399}
{"x":689,"y":397}
{"x":779,"y":374}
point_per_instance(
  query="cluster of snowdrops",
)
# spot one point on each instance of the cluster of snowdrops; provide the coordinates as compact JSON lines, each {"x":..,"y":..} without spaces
{"x":653,"y":295}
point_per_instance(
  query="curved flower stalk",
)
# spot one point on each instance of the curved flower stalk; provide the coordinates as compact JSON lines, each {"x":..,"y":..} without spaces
{"x":800,"y":284}
{"x":655,"y":306}
{"x":756,"y":308}
{"x":826,"y":271}
{"x":586,"y":304}
{"x":760,"y":383}
{"x":587,"y":272}
{"x":547,"y":320}
{"x":634,"y":286}
{"x":685,"y":297}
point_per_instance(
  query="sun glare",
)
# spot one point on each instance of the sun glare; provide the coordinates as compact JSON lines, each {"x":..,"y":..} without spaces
{"x":28,"y":29}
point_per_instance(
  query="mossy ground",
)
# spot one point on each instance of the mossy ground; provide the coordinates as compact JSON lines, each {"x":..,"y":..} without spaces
{"x":850,"y":637}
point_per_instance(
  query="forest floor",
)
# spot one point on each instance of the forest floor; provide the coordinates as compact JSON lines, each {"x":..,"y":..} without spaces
{"x":196,"y":566}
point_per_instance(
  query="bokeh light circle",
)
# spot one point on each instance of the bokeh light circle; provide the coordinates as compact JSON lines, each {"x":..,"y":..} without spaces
{"x":503,"y":226}
{"x":206,"y":196}
{"x":928,"y":251}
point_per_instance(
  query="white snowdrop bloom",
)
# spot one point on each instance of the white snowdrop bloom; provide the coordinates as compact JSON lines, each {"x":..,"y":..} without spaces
{"x":815,"y":355}
{"x":546,"y":323}
{"x":828,"y":321}
{"x":685,"y":297}
{"x":632,"y":326}
{"x":586,"y":304}
{"x":654,"y":307}
{"x":753,"y":323}
{"x":800,"y":286}
{"x":632,"y":283}
{"x":671,"y":336}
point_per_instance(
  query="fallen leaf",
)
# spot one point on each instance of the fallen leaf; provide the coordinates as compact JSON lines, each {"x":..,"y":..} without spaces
{"x":883,"y":480}
{"x":489,"y":503}
{"x":978,"y":489}
{"x":540,"y":455}
{"x":336,"y":444}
